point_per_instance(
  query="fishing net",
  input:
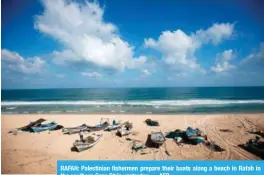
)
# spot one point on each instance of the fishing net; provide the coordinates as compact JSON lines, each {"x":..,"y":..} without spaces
{"x":90,"y":139}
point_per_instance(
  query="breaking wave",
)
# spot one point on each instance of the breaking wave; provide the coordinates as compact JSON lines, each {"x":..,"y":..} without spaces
{"x":11,"y":108}
{"x":154,"y":103}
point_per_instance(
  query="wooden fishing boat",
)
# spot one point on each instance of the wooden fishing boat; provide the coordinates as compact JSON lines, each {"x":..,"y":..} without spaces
{"x":194,"y":135}
{"x":104,"y":124}
{"x":123,"y":132}
{"x":192,"y":132}
{"x":150,"y":122}
{"x":27,"y":128}
{"x":126,"y":129}
{"x":115,"y":126}
{"x":157,"y":139}
{"x":75,"y":130}
{"x":98,"y":127}
{"x":44,"y":127}
{"x":196,"y":139}
{"x":255,"y":147}
{"x":89,"y":141}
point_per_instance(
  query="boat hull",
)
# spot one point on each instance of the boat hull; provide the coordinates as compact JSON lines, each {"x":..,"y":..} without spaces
{"x":196,"y":139}
{"x":50,"y":126}
{"x":123,"y":132}
{"x":254,"y":150}
{"x":157,"y":139}
{"x":113,"y":127}
{"x":79,"y":146}
{"x":98,"y":127}
{"x":74,"y":130}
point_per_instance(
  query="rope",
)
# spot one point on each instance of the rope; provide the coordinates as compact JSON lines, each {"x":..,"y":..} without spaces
{"x":161,"y":154}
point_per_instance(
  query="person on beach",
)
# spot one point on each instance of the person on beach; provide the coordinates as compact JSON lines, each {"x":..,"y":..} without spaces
{"x":81,"y":133}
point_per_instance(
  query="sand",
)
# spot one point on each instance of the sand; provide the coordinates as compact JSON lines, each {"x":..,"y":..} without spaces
{"x":38,"y":152}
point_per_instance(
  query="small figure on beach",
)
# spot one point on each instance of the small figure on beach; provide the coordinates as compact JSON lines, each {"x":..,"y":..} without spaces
{"x":128,"y":126}
{"x":81,"y":133}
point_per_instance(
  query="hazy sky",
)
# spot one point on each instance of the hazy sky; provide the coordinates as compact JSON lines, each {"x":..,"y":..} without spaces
{"x":117,"y":43}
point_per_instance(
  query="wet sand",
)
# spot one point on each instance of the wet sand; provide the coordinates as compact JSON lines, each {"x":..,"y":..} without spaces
{"x":28,"y":153}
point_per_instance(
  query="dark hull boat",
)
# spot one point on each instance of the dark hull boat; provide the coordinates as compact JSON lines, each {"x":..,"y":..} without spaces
{"x":37,"y":126}
{"x":150,"y":122}
{"x":44,"y":127}
{"x":104,"y":124}
{"x":256,"y":148}
{"x":32,"y":124}
{"x":75,"y":130}
{"x":194,"y":135}
{"x":100,"y":127}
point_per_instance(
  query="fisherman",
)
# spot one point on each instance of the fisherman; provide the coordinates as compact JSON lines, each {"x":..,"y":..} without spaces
{"x":81,"y":133}
{"x":127,"y":126}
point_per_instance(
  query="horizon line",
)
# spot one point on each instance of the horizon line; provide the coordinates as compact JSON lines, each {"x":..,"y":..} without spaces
{"x":133,"y":87}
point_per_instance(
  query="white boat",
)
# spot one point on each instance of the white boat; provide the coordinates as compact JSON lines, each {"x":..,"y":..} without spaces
{"x":157,"y":139}
{"x":115,"y":126}
{"x":89,"y":141}
{"x":126,"y":129}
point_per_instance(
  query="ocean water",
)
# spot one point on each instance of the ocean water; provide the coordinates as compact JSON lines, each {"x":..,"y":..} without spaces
{"x":135,"y":100}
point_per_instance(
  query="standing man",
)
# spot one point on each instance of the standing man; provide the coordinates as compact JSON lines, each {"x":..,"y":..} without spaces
{"x":81,"y":133}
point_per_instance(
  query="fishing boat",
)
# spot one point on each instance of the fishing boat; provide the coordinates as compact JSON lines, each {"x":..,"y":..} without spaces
{"x":37,"y":126}
{"x":75,"y":130}
{"x":27,"y":128}
{"x":255,"y":147}
{"x":194,"y":135}
{"x":196,"y":139}
{"x":44,"y":127}
{"x":214,"y":147}
{"x":150,"y":122}
{"x":157,"y":139}
{"x":258,"y":132}
{"x":98,"y":127}
{"x":123,"y":132}
{"x":104,"y":124}
{"x":115,"y":126}
{"x":89,"y":141}
{"x":126,"y":129}
{"x":192,"y":132}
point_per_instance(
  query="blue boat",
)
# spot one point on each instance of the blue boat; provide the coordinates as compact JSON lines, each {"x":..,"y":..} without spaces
{"x":194,"y":135}
{"x":44,"y":127}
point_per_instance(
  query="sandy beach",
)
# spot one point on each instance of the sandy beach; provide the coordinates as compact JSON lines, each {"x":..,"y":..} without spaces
{"x":38,"y":152}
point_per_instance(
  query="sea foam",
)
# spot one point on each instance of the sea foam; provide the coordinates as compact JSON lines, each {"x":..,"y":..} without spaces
{"x":154,"y":103}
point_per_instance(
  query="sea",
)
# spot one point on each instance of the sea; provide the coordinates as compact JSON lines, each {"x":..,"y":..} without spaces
{"x":188,"y":100}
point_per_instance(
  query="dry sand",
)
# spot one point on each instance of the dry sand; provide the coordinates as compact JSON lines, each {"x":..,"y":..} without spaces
{"x":38,"y":152}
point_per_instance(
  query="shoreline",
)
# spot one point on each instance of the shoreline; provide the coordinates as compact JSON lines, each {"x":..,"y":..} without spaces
{"x":155,"y":114}
{"x":31,"y":153}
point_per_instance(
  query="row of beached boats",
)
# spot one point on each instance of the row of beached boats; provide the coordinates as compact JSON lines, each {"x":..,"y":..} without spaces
{"x":91,"y":139}
{"x":38,"y":126}
{"x":155,"y":139}
{"x":104,"y":125}
{"x":123,"y":128}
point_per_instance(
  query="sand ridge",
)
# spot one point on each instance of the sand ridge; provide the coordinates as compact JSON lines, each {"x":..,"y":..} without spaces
{"x":38,"y":152}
